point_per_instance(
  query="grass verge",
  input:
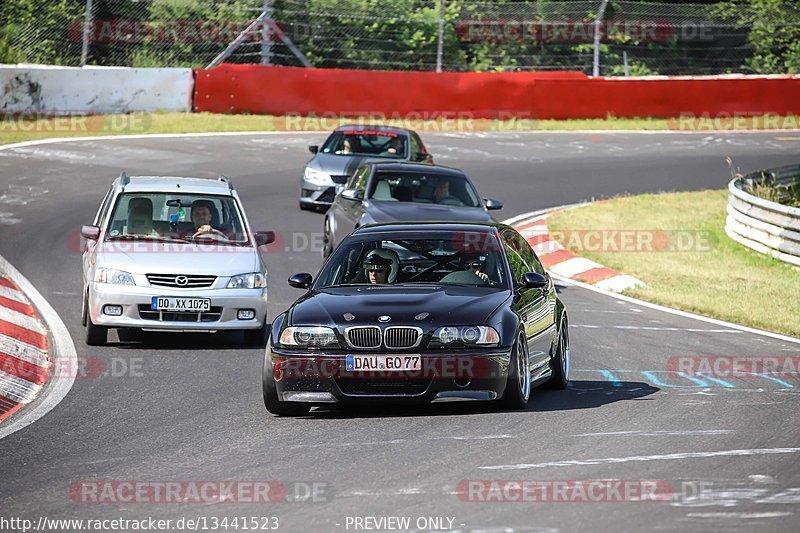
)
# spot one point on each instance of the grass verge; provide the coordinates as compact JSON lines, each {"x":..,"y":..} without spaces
{"x":18,"y":128}
{"x":714,"y":276}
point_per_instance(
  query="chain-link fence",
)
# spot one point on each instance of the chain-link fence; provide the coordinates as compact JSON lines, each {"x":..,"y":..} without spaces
{"x":620,"y":37}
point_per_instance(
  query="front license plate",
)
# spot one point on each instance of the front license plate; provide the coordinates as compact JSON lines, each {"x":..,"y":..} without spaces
{"x":362,"y":363}
{"x":189,"y":305}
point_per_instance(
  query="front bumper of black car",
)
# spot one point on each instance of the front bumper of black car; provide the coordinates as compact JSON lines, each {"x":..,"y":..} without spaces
{"x":320,"y":378}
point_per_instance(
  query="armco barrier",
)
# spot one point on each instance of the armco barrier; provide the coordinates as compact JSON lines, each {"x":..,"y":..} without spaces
{"x":543,"y":95}
{"x":48,"y":89}
{"x":766,"y":227}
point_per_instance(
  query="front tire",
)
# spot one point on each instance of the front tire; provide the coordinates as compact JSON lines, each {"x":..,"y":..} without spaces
{"x":518,"y":385}
{"x":559,"y":365}
{"x":95,"y":335}
{"x":270,"y":393}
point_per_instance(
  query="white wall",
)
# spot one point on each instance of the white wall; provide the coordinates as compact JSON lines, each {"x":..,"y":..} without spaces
{"x":42,"y":88}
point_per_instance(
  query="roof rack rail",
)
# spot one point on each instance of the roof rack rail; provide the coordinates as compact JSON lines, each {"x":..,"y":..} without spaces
{"x":227,"y":180}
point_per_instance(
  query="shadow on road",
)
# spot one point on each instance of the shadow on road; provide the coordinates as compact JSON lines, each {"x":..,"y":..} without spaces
{"x":151,"y":340}
{"x":579,"y":395}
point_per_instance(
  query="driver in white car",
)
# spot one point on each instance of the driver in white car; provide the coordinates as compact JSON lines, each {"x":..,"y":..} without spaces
{"x":202,"y":218}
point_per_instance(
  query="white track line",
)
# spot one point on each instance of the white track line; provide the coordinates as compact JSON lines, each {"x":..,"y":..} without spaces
{"x":644,"y":458}
{"x":64,"y":357}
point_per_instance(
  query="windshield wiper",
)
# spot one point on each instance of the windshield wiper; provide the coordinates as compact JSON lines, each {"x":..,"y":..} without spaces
{"x":145,"y":238}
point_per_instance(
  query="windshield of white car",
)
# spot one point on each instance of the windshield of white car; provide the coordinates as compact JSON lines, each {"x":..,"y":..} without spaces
{"x":449,"y":260}
{"x":367,"y":143}
{"x":423,"y":187}
{"x":177,"y":218}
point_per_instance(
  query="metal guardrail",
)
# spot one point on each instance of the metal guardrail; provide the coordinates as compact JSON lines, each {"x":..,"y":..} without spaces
{"x":764,"y":226}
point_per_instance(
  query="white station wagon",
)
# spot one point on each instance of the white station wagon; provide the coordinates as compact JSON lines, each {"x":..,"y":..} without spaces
{"x":173,"y":254}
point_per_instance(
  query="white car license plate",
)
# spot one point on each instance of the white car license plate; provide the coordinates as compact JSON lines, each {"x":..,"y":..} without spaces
{"x":361,"y":363}
{"x":189,"y":305}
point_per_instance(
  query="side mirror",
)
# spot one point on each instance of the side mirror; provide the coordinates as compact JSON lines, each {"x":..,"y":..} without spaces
{"x":351,"y":194}
{"x":313,"y":148}
{"x":422,"y":156}
{"x":90,"y":232}
{"x":301,"y":281}
{"x":263,"y":237}
{"x":533,"y":280}
{"x":492,"y":204}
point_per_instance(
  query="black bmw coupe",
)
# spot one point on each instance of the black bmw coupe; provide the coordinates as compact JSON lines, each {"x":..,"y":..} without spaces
{"x":419,"y":312}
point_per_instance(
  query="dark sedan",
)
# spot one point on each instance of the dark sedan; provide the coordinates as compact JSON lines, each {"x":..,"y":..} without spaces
{"x":419,"y":312}
{"x":396,"y":192}
{"x":342,"y":153}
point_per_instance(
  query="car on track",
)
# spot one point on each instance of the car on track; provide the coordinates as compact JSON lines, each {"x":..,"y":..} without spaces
{"x":173,"y":254}
{"x":342,"y":153}
{"x":419,"y":312}
{"x":403,"y":191}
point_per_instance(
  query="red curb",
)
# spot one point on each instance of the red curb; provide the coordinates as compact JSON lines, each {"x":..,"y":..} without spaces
{"x":556,"y":257}
{"x":25,"y":335}
{"x":8,"y":283}
{"x":7,"y":407}
{"x":19,"y":307}
{"x":23,"y":369}
{"x":596,"y":274}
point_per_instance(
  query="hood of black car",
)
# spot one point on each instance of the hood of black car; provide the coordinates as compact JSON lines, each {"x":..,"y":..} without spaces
{"x":445,"y":305}
{"x":387,"y":211}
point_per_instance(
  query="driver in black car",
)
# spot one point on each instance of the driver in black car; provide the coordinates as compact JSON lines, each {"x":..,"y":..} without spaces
{"x":377,"y":269}
{"x":475,"y":263}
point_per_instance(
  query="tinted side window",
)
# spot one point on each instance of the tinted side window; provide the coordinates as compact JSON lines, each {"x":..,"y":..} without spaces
{"x":522,"y":253}
{"x":528,"y":255}
{"x":518,"y":265}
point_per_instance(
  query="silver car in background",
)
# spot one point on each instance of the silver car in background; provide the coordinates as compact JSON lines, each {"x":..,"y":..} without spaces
{"x":345,"y":150}
{"x":173,"y":254}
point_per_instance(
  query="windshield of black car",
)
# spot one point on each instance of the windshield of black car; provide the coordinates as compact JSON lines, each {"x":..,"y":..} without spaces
{"x":176,"y":217}
{"x":367,"y":143}
{"x":458,"y":258}
{"x":426,"y":188}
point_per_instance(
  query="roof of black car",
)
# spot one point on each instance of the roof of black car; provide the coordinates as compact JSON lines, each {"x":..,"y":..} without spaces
{"x":409,"y":166}
{"x":433,"y":227}
{"x":374,"y":127}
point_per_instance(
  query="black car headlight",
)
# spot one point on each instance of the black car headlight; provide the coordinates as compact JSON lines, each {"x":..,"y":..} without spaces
{"x":469,"y":335}
{"x":308,"y":337}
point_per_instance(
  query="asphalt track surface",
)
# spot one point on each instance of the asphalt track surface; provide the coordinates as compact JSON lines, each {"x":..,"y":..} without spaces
{"x":192,"y":409}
